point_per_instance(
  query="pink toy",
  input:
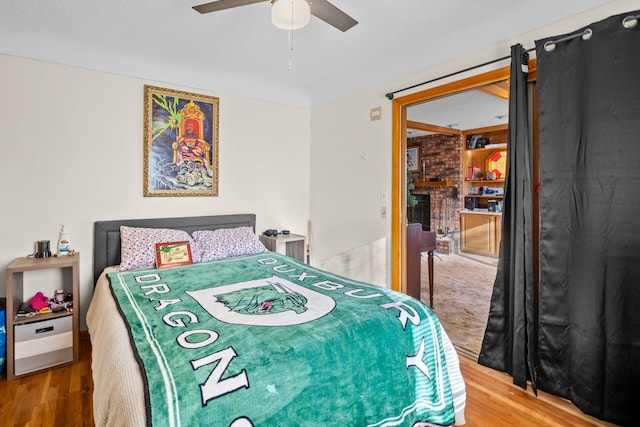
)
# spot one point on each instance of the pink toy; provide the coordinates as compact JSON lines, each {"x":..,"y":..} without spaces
{"x":39,"y":301}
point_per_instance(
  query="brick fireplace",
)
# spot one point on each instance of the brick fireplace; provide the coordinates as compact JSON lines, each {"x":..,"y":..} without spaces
{"x":441,"y":159}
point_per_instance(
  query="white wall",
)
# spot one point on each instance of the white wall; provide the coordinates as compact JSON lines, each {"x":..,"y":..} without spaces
{"x":345,"y":190}
{"x":349,"y":171}
{"x":72,"y":145}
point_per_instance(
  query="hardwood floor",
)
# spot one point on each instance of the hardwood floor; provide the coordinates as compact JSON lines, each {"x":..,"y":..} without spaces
{"x":493,"y":400}
{"x":63,"y":397}
{"x":57,"y":397}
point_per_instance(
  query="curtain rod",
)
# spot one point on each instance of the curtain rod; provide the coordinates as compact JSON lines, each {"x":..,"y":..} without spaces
{"x":390,"y":95}
{"x":628,"y":22}
{"x":550,"y":45}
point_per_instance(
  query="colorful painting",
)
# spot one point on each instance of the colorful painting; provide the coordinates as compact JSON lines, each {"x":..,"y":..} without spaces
{"x":180,"y":143}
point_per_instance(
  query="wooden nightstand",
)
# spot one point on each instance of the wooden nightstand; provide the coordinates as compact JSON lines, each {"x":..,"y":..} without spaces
{"x":41,"y":341}
{"x":292,"y":245}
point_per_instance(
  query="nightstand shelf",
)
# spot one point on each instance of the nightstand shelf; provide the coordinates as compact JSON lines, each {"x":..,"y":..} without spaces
{"x":41,"y":341}
{"x":292,"y":245}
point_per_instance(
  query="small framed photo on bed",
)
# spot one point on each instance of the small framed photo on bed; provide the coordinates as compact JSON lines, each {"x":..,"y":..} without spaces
{"x":173,"y":254}
{"x":180,"y":143}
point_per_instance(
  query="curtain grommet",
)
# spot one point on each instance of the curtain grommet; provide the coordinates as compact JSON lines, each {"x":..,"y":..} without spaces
{"x":630,"y":21}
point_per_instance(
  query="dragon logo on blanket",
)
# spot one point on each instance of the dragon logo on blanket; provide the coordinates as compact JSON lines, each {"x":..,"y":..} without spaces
{"x":270,"y":299}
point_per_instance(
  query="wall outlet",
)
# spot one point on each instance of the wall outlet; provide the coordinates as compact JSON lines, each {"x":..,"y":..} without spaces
{"x":383,"y":212}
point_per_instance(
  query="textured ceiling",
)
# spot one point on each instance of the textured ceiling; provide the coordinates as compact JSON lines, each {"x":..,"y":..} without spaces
{"x":238,"y":51}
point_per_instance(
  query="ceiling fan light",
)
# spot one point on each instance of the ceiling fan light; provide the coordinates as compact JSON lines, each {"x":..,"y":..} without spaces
{"x":290,"y":14}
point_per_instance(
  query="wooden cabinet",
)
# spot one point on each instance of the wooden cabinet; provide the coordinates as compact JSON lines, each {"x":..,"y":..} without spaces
{"x":292,"y":245}
{"x":480,"y":233}
{"x":41,"y":341}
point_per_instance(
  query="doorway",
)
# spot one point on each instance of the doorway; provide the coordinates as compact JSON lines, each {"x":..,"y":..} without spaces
{"x":399,"y":151}
{"x":464,"y":280}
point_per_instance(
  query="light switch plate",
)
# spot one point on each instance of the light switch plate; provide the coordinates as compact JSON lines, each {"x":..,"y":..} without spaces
{"x":375,"y":113}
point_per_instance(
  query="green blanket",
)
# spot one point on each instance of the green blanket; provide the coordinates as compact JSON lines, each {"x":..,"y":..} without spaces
{"x":265,"y":340}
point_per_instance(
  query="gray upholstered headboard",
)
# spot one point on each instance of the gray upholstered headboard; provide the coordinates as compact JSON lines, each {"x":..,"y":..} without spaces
{"x":106,"y":234}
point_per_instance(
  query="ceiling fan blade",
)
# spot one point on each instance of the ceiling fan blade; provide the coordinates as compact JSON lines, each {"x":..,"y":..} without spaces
{"x":331,"y":15}
{"x":214,"y":6}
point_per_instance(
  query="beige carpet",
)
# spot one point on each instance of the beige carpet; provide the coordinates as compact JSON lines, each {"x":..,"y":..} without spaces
{"x":461,"y":297}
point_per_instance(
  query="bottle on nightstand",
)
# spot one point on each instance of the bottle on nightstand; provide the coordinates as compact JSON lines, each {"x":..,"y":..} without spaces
{"x":63,"y":242}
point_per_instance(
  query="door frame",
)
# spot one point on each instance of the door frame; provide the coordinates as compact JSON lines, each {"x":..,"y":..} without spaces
{"x":398,"y":156}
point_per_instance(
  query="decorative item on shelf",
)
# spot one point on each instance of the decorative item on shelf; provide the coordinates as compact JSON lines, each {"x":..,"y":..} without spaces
{"x":42,"y":249}
{"x":477,"y":141}
{"x":59,"y":295}
{"x":477,"y":172}
{"x":39,"y":301}
{"x":470,"y":203}
{"x":25,"y":310}
{"x":475,"y":191}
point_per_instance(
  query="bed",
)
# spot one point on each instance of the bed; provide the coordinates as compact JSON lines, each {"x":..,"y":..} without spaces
{"x":246,"y":337}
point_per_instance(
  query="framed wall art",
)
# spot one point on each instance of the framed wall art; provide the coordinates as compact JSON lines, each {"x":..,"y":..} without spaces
{"x":413,"y":159}
{"x":180,"y":143}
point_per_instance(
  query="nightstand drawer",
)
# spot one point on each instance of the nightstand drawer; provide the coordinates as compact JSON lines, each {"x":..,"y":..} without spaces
{"x":39,"y":345}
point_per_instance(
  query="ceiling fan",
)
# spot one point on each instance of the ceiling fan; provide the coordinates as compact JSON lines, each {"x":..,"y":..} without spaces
{"x":319,"y":8}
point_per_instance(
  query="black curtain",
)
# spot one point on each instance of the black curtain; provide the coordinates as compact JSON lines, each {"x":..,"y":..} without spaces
{"x":589,"y":121}
{"x":509,"y":339}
